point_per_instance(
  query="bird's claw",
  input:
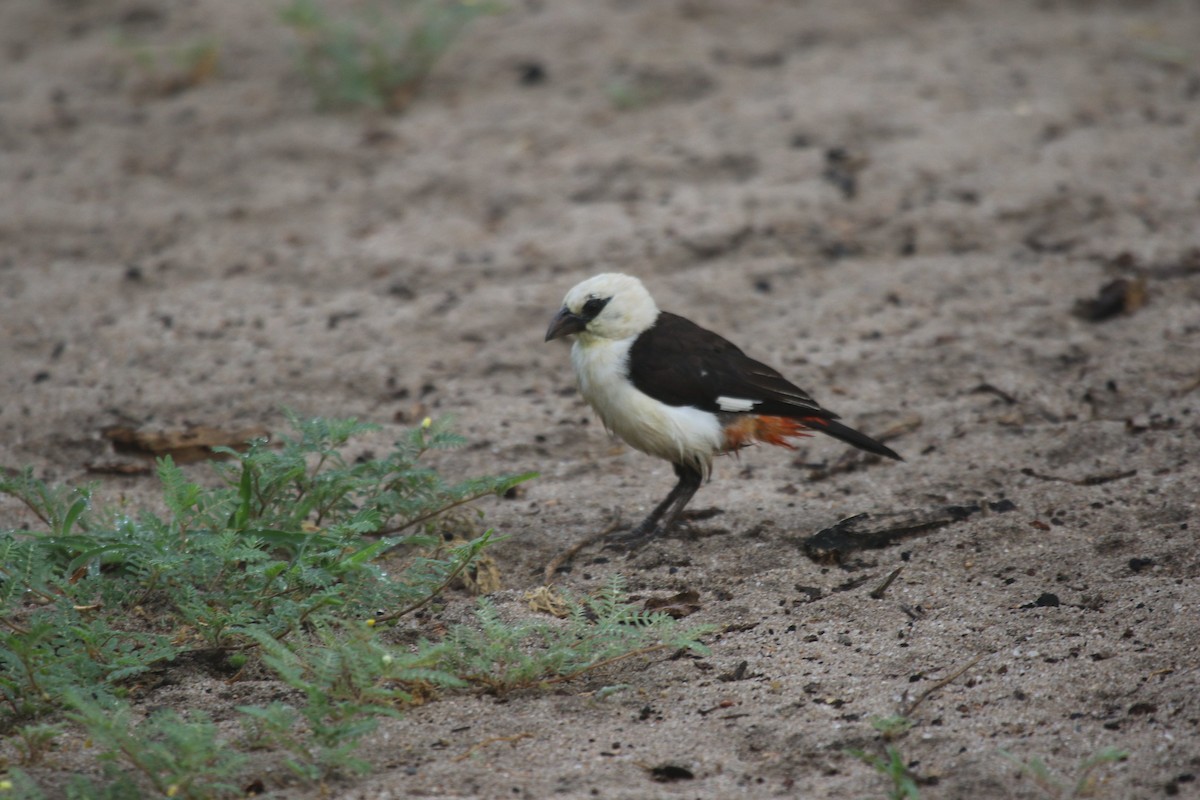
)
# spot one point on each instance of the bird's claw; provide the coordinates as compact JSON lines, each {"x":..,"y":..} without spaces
{"x":633,"y":538}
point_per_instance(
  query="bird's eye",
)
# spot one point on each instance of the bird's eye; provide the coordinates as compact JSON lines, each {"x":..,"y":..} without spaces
{"x":593,"y":307}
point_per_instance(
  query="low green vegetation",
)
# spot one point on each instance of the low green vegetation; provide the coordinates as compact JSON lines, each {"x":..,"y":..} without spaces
{"x":903,"y":784}
{"x":891,"y":764}
{"x":302,"y":568}
{"x":380,"y":54}
{"x":163,"y":70}
{"x":1086,"y":782}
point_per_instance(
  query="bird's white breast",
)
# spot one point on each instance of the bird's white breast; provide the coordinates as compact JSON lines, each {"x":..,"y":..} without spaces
{"x":676,"y":433}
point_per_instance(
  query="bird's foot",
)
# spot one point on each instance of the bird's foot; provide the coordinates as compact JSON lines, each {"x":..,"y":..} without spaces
{"x":629,"y":540}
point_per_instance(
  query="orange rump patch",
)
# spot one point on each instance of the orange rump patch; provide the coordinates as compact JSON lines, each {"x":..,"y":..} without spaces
{"x":772,"y":430}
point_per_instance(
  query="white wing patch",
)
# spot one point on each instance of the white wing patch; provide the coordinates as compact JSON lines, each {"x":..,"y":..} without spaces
{"x":736,"y":404}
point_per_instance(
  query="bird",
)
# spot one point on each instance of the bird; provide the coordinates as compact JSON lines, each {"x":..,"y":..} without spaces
{"x":675,"y":390}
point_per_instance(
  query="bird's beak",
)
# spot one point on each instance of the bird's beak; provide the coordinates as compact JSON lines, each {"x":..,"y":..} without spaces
{"x":564,"y":324}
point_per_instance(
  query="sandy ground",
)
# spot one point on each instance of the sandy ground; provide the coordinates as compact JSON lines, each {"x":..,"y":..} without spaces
{"x":897,"y":203}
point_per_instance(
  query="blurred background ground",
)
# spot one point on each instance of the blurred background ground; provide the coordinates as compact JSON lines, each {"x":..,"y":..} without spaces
{"x":898,"y":204}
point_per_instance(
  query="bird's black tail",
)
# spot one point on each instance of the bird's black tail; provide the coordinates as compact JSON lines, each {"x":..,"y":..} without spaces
{"x":850,"y":436}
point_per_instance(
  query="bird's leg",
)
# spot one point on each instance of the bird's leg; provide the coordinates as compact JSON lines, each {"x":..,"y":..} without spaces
{"x":689,"y":481}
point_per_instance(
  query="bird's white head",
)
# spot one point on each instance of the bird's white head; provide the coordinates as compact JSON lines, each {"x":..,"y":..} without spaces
{"x":607,"y":306}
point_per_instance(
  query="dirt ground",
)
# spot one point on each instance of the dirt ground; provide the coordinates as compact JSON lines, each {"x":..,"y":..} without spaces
{"x":897,"y":203}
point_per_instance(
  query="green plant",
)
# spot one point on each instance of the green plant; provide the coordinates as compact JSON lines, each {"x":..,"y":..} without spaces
{"x":1087,"y":778}
{"x":892,"y":764}
{"x":282,"y":544}
{"x":167,"y":70}
{"x":33,"y":742}
{"x":380,"y":55}
{"x":502,"y":655}
{"x":347,"y":678}
{"x":296,"y":563}
{"x":57,"y":649}
{"x":295,"y":537}
{"x":893,"y":727}
{"x":16,"y":783}
{"x":178,"y":757}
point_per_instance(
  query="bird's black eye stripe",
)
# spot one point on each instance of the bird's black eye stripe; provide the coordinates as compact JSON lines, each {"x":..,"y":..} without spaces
{"x":593,"y":306}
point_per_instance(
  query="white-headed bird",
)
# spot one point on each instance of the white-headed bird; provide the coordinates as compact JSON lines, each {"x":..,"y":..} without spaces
{"x":677,"y":391}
